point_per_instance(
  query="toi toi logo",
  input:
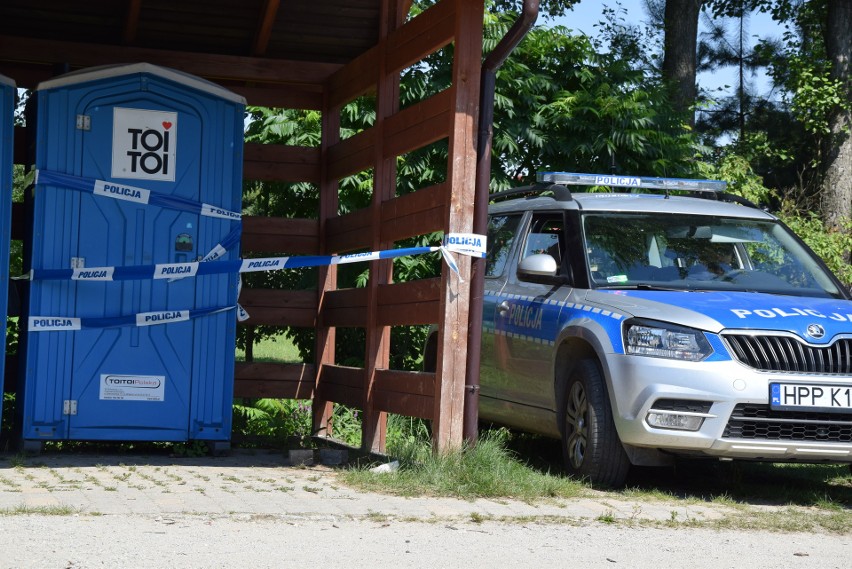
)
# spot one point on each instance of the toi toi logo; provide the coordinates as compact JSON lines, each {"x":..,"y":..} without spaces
{"x":144,"y":144}
{"x":149,"y":150}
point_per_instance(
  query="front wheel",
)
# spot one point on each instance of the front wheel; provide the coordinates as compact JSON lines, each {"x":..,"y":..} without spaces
{"x":590,"y":444}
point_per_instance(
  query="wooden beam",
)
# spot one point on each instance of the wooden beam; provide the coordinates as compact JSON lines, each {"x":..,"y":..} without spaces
{"x":327,"y":276}
{"x":264,"y":28}
{"x":413,"y":302}
{"x":216,"y":67}
{"x":276,"y":162}
{"x":340,"y":384}
{"x":280,"y":307}
{"x":355,"y":154}
{"x":279,"y":96}
{"x":20,"y":228}
{"x":344,"y":308}
{"x":406,"y":393}
{"x":21,"y":148}
{"x":461,"y":177}
{"x":131,"y":22}
{"x":357,"y":78}
{"x":349,"y":232}
{"x":279,"y":381}
{"x":418,"y":125}
{"x":280,"y":235}
{"x":414,"y":214}
{"x":421,"y":36}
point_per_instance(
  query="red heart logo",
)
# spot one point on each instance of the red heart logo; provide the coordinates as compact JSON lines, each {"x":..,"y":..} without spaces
{"x":167,"y":125}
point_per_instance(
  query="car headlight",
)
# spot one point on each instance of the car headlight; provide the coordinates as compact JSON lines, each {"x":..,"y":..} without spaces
{"x":664,"y":340}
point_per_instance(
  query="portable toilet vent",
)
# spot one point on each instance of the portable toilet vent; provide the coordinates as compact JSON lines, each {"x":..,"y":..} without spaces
{"x":139,"y":175}
{"x":7,"y":126}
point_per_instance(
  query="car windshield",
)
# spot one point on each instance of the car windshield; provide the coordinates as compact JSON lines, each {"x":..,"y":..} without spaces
{"x":691,"y":252}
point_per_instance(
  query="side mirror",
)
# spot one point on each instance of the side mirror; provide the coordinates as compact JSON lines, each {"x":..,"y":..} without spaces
{"x":536,"y":266}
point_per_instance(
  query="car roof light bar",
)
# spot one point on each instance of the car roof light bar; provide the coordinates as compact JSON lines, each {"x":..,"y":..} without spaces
{"x":668,"y":184}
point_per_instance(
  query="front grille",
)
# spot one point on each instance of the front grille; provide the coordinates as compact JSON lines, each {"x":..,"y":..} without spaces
{"x":760,"y":422}
{"x":788,"y":354}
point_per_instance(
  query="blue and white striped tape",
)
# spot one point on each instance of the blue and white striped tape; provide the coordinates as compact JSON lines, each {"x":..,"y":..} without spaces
{"x":115,"y":190}
{"x":64,"y":324}
{"x":196,"y":268}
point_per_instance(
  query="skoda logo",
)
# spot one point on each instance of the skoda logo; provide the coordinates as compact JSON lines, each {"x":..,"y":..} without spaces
{"x":815,"y":331}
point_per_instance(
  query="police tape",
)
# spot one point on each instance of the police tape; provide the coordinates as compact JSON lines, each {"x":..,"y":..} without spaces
{"x":465,"y":244}
{"x":66,"y":324}
{"x":134,"y":194}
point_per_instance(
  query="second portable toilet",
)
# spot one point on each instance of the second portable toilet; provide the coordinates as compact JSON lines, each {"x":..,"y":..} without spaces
{"x":137,"y":166}
{"x":7,"y":128}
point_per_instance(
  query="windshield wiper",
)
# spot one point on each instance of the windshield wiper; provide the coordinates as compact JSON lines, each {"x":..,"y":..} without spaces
{"x":643,"y":286}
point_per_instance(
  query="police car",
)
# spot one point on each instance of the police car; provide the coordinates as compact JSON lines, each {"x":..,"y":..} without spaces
{"x":639,"y":327}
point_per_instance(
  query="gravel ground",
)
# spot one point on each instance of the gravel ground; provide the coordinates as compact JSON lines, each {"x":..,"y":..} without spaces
{"x":271,"y":541}
{"x":255,"y":510}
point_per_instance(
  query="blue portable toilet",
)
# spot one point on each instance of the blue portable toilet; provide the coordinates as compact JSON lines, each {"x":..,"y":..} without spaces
{"x":7,"y":126}
{"x":137,"y":165}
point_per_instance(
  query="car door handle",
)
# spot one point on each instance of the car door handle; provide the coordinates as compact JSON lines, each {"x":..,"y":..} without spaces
{"x":504,"y":308}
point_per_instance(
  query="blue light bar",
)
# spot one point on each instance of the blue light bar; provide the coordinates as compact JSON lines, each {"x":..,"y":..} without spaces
{"x":573,"y":179}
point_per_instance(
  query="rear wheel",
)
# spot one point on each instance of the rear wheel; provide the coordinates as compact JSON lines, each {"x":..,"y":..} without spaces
{"x":590,"y":444}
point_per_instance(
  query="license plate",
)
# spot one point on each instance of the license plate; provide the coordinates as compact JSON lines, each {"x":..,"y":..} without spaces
{"x":810,"y":396}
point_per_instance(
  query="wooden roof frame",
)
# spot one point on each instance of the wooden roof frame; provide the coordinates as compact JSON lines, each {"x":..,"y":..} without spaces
{"x":265,"y":80}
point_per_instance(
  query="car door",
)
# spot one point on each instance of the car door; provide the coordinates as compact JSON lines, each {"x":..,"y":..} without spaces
{"x":502,"y":238}
{"x":526,"y":316}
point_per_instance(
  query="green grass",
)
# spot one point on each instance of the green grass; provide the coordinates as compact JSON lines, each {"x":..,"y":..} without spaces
{"x":40,"y":511}
{"x":278,"y":349}
{"x":487,"y":470}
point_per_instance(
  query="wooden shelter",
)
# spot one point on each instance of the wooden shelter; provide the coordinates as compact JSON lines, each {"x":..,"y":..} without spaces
{"x":320,"y":55}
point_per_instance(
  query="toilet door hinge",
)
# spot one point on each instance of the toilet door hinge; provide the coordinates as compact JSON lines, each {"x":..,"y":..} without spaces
{"x":84,"y":122}
{"x":69,"y":407}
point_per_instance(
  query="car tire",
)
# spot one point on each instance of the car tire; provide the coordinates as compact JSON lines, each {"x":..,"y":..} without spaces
{"x":590,"y":445}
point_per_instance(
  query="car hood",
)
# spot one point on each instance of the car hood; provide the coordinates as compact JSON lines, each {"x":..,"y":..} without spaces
{"x":716,"y":311}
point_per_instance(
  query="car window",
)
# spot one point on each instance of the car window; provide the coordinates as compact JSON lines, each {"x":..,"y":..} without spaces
{"x":700,"y":252}
{"x":546,"y":236}
{"x":501,"y":235}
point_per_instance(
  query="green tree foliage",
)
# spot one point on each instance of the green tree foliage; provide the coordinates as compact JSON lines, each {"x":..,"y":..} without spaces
{"x":567,"y":102}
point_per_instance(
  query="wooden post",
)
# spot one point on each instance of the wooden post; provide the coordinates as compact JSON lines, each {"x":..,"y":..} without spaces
{"x":327,"y":275}
{"x":447,"y":430}
{"x":374,"y":426}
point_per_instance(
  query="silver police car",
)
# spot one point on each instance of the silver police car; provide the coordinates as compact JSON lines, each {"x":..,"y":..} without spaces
{"x":638,"y":327}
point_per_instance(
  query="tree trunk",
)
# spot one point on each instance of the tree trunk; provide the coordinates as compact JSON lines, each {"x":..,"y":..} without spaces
{"x":837,"y":185}
{"x":679,"y":60}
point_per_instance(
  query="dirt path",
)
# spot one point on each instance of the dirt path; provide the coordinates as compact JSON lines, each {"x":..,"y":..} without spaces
{"x":254,"y":510}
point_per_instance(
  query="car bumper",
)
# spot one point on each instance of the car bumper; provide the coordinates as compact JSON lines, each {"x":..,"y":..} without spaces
{"x":736,"y":423}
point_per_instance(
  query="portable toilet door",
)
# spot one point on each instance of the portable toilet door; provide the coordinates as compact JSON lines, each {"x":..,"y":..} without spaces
{"x":137,"y":165}
{"x":7,"y":128}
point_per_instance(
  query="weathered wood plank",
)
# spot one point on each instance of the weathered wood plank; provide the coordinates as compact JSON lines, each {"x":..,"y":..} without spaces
{"x":411,"y":382}
{"x":20,"y":229}
{"x":409,"y":303}
{"x":211,"y":66}
{"x":281,"y":163}
{"x":461,"y":177}
{"x":353,"y":155}
{"x":280,"y":235}
{"x":358,"y":77}
{"x":420,"y":406}
{"x":344,"y":307}
{"x":341,"y":384}
{"x":280,"y":307}
{"x":421,"y":36}
{"x":349,"y":232}
{"x":279,"y":381}
{"x":413,"y":214}
{"x":418,"y":125}
{"x":279,"y":96}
